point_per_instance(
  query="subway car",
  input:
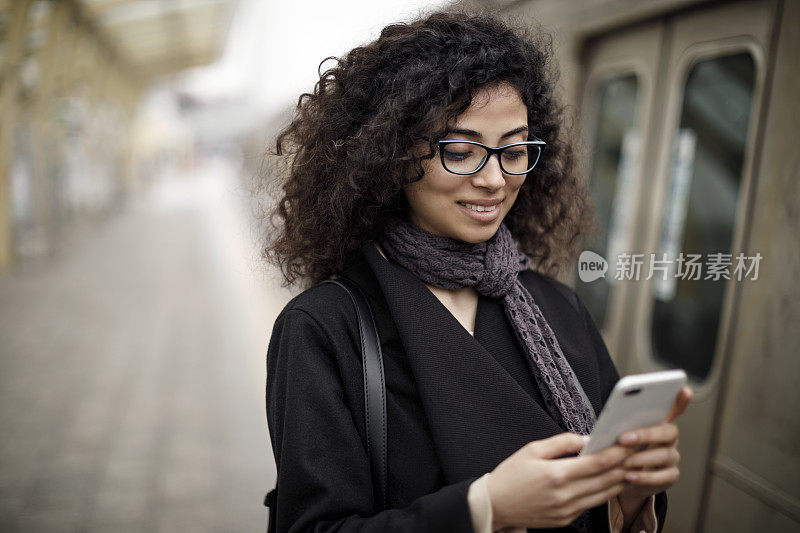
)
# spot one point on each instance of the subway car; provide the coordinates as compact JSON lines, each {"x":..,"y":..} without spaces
{"x":687,"y":113}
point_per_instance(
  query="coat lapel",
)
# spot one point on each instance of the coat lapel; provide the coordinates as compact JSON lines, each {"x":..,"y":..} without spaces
{"x":478,"y":414}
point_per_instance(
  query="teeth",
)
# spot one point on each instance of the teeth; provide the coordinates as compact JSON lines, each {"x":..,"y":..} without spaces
{"x":480,"y":208}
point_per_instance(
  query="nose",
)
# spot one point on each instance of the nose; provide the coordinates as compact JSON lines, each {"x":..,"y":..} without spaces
{"x":491,"y":175}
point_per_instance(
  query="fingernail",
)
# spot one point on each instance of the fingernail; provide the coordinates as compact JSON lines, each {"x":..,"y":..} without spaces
{"x":631,"y":476}
{"x":629,"y":438}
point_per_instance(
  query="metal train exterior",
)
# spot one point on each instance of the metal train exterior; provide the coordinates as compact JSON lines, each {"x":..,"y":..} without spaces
{"x":688,"y":115}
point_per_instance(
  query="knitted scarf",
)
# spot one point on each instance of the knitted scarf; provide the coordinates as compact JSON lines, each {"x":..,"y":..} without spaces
{"x":492,"y":269}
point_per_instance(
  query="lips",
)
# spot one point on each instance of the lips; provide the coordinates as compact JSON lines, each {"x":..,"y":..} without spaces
{"x":484,"y":202}
{"x":481,"y":210}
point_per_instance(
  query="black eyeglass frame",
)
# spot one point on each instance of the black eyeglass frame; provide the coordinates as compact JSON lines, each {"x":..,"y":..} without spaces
{"x":489,"y":152}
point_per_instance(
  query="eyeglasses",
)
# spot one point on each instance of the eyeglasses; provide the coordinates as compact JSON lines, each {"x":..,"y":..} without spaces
{"x":468,"y":157}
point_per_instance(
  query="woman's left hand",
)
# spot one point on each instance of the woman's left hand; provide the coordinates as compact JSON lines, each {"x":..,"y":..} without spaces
{"x":654,"y":468}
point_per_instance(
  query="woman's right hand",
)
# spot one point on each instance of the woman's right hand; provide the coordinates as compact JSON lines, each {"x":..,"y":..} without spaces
{"x":534,"y":488}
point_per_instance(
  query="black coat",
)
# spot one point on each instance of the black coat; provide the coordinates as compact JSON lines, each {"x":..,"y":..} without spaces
{"x":457,"y":406}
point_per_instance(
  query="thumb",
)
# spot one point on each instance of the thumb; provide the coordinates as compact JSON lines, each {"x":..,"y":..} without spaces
{"x":681,"y":401}
{"x":558,"y":445}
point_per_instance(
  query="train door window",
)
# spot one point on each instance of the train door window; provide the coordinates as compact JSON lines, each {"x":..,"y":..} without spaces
{"x":706,"y":169}
{"x":616,"y":145}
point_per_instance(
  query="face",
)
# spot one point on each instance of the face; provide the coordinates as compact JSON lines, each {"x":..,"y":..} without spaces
{"x":451,"y":205}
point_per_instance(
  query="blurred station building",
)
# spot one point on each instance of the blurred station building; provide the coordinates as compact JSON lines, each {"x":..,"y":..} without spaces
{"x":73,"y":76}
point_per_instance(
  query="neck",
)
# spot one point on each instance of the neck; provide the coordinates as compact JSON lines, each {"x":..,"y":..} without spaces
{"x":462,"y":302}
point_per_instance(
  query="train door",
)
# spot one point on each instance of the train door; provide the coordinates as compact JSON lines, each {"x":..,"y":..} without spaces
{"x":619,"y":96}
{"x":672,"y":192}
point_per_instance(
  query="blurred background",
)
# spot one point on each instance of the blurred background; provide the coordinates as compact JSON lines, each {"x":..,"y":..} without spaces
{"x":135,"y":310}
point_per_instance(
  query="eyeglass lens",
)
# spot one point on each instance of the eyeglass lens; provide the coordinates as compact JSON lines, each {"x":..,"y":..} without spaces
{"x":466,"y":157}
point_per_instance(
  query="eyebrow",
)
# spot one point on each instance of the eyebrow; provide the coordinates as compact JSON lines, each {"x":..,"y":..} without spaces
{"x":473,"y":133}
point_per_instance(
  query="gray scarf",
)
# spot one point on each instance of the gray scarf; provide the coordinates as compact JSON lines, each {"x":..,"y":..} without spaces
{"x":492,"y":268}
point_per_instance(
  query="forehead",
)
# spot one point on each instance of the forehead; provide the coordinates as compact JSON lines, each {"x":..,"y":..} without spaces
{"x":503,"y":91}
{"x":499,"y":102}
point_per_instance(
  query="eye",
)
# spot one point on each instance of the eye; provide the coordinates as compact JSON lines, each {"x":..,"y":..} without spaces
{"x":514,"y":153}
{"x":457,"y":155}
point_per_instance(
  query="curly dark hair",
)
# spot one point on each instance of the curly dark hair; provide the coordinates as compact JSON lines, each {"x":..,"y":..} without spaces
{"x":350,"y":148}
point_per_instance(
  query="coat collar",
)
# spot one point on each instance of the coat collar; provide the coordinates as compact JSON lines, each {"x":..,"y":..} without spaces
{"x":478,"y":414}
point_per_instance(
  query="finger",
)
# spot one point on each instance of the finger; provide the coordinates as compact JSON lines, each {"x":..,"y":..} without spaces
{"x":681,"y":401}
{"x":556,"y":446}
{"x":595,"y":499}
{"x":594,"y":463}
{"x":568,"y":501}
{"x":593,"y":484}
{"x":654,"y":478}
{"x":666,"y":433}
{"x":654,"y":457}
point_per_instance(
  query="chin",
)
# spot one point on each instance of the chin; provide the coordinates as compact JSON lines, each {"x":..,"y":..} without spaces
{"x":476,"y":235}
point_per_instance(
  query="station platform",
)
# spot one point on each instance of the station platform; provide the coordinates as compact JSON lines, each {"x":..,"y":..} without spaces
{"x":132,"y":371}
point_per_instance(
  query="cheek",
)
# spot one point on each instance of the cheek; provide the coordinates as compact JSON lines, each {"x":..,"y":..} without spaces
{"x":414,"y":193}
{"x":514,"y":195}
{"x":433,"y":189}
{"x":417,"y":198}
{"x":517,"y":188}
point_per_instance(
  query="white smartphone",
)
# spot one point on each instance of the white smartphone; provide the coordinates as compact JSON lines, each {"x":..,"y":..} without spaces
{"x":637,"y":401}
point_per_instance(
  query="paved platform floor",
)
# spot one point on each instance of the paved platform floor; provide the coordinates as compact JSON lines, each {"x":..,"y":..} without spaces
{"x":132,"y":372}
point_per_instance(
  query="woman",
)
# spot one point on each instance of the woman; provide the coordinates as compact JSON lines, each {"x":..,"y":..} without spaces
{"x":493,"y":371}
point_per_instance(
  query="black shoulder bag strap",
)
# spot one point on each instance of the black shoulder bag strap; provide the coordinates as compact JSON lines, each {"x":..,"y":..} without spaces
{"x":374,"y":388}
{"x":374,"y":396}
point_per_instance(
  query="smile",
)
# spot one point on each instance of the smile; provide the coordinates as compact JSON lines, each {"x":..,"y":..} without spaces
{"x":480,"y":213}
{"x":479,"y":208}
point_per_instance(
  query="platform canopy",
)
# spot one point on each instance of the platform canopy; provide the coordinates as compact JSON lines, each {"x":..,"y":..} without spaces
{"x":158,"y":37}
